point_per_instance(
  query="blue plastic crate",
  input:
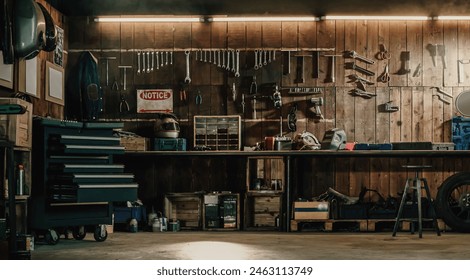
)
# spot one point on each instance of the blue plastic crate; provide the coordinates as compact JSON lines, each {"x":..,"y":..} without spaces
{"x":461,"y":133}
{"x":125,"y":214}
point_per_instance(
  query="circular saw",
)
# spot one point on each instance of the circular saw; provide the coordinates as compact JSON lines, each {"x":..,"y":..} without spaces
{"x":306,"y":141}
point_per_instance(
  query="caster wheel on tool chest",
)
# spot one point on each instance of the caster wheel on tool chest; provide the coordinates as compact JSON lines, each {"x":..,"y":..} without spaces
{"x":100,"y":233}
{"x":79,"y":233}
{"x":51,"y":237}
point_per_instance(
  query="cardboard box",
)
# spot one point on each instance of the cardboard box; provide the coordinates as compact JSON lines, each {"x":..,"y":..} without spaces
{"x":311,"y":210}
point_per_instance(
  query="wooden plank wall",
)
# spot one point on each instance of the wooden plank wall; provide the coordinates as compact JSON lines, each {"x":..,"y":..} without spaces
{"x":422,"y":116}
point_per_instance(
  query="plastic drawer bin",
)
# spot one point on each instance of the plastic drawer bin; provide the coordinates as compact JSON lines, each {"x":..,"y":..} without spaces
{"x":125,"y":214}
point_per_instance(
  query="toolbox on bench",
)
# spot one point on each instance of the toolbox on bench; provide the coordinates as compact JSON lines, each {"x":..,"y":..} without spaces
{"x":423,"y":146}
{"x":169,"y":144}
{"x":461,"y":133}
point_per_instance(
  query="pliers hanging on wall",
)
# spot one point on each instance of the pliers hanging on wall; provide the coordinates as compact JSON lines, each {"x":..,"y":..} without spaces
{"x":123,"y":105}
{"x":254,"y":86}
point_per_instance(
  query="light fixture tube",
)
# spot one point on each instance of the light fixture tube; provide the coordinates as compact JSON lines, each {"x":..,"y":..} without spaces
{"x":265,"y":18}
{"x":376,"y":18}
{"x":205,"y":19}
{"x":452,"y":18}
{"x":148,"y":19}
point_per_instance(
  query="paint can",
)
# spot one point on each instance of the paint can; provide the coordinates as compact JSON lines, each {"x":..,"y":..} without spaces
{"x":133,"y":225}
{"x":151,"y":217}
{"x":156,"y":225}
{"x":164,"y":224}
{"x":174,"y":225}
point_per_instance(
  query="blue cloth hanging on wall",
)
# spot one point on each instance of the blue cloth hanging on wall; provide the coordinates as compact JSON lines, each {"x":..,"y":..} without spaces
{"x":80,"y":104}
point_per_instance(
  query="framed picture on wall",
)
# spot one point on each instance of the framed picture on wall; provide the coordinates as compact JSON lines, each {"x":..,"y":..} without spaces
{"x":54,"y":83}
{"x":59,"y":50}
{"x":29,"y":76}
{"x":6,"y":73}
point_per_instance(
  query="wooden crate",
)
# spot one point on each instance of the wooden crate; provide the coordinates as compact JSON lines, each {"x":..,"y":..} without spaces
{"x":262,"y":211}
{"x":185,"y":207}
{"x":265,"y":174}
{"x":224,"y":224}
{"x":134,"y":143}
{"x":17,"y":128}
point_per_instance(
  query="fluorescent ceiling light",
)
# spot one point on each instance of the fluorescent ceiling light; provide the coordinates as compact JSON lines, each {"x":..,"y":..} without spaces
{"x":204,"y":19}
{"x":376,"y":18}
{"x":452,"y":18}
{"x":253,"y":19}
{"x":148,"y":19}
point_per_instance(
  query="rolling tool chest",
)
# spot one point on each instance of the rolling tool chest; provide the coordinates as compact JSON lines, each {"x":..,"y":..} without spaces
{"x":76,"y":180}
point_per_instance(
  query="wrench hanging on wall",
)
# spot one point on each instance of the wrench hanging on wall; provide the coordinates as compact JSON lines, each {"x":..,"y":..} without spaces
{"x":187,"y":80}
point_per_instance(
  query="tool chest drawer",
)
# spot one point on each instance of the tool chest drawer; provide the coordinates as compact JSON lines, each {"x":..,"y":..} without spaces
{"x":93,"y":192}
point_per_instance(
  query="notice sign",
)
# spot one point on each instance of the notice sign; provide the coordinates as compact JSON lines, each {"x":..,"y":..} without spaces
{"x":154,"y":100}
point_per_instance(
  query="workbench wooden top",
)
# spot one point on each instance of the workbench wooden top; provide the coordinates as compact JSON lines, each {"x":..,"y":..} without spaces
{"x":311,"y":153}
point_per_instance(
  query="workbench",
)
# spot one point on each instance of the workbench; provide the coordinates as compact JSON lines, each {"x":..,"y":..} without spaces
{"x":146,"y":160}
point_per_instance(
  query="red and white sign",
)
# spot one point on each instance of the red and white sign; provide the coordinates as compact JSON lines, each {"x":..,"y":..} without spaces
{"x":154,"y":100}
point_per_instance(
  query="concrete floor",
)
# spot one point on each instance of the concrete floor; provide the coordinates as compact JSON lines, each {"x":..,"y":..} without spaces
{"x":242,"y":245}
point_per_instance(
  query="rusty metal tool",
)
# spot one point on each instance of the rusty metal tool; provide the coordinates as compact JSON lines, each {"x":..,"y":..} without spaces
{"x":286,"y":64}
{"x":331,"y":76}
{"x":107,"y":59}
{"x":441,"y":50}
{"x":441,"y":94}
{"x":355,"y":55}
{"x":354,"y":78}
{"x":218,"y":59}
{"x":148,"y":62}
{"x":418,"y":70}
{"x":383,"y":53}
{"x":260,"y":59}
{"x":124,"y":67}
{"x":389,"y":107}
{"x":353,"y":66}
{"x":300,"y":70}
{"x":316,"y":65}
{"x":153,"y":61}
{"x":157,"y":57}
{"x":385,"y":77}
{"x":362,"y":93}
{"x":143,"y":63}
{"x":317,"y":102}
{"x":460,"y":68}
{"x":432,"y":48}
{"x":237,"y":71}
{"x":138,"y":63}
{"x":187,"y":80}
{"x":405,"y":63}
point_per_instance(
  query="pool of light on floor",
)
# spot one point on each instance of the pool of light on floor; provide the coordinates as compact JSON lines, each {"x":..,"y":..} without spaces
{"x":210,"y":250}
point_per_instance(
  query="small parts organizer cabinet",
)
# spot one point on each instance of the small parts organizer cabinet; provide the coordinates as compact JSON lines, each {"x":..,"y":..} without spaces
{"x":265,"y":187}
{"x":76,"y":180}
{"x":217,"y":133}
